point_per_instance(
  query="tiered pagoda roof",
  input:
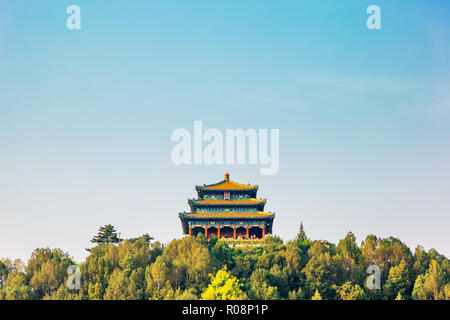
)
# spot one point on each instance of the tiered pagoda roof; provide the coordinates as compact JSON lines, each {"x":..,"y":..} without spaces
{"x":228,"y":205}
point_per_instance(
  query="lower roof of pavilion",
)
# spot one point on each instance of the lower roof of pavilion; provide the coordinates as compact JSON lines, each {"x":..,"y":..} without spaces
{"x":227,"y":215}
{"x":227,"y":219}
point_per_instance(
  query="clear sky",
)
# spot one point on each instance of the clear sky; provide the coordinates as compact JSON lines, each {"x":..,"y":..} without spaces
{"x":86,"y":116}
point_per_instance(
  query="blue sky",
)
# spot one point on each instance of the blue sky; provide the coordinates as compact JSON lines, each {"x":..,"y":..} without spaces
{"x":86,"y":116}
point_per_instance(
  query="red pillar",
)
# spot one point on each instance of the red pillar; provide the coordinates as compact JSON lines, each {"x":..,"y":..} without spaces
{"x":247,"y":232}
{"x":263,"y":231}
{"x":218,"y":232}
{"x":234,"y":233}
{"x":206,"y":232}
{"x":190,"y":230}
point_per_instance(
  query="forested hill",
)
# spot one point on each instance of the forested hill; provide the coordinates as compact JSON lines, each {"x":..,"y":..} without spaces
{"x":200,"y":268}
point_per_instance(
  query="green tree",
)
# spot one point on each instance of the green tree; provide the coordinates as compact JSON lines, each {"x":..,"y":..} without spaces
{"x":188,"y":294}
{"x":279,"y":279}
{"x":349,"y":291}
{"x":106,"y":234}
{"x":347,"y":247}
{"x":320,"y":273}
{"x":47,"y":270}
{"x":300,"y":269}
{"x":118,"y":286}
{"x":419,"y":292}
{"x":272,"y":242}
{"x":399,"y":297}
{"x":245,"y":259}
{"x":63,"y":293}
{"x":4,"y":271}
{"x":369,"y":249}
{"x":190,"y":263}
{"x":296,"y":295}
{"x":293,"y":266}
{"x":15,"y":288}
{"x":398,"y":281}
{"x":158,"y":273}
{"x":145,"y":237}
{"x":137,"y":286}
{"x":95,"y":272}
{"x":260,"y":287}
{"x":316,"y":296}
{"x":421,"y":261}
{"x":301,"y":240}
{"x":223,"y":286}
{"x":222,"y":254}
{"x":431,"y":285}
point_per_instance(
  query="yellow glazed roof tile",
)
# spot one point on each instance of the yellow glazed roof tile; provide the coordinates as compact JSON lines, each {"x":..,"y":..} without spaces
{"x":206,"y":215}
{"x":251,"y":201}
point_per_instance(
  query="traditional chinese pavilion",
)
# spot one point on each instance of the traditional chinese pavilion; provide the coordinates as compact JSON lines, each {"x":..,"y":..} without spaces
{"x":230,"y":211}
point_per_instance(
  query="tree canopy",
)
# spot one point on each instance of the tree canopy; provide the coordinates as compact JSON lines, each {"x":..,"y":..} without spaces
{"x":200,"y":268}
{"x":106,"y":234}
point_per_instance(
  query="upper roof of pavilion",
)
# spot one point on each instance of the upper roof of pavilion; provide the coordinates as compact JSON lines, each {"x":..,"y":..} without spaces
{"x":226,"y":185}
{"x":221,"y":202}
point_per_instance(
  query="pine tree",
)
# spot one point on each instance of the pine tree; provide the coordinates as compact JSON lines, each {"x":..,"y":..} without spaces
{"x":106,"y":234}
{"x":301,"y":236}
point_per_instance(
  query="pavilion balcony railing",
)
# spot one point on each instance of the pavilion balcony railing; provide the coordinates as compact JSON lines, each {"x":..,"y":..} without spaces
{"x":243,"y":242}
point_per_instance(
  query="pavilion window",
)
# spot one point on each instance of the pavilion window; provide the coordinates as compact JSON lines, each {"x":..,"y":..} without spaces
{"x":226,"y":195}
